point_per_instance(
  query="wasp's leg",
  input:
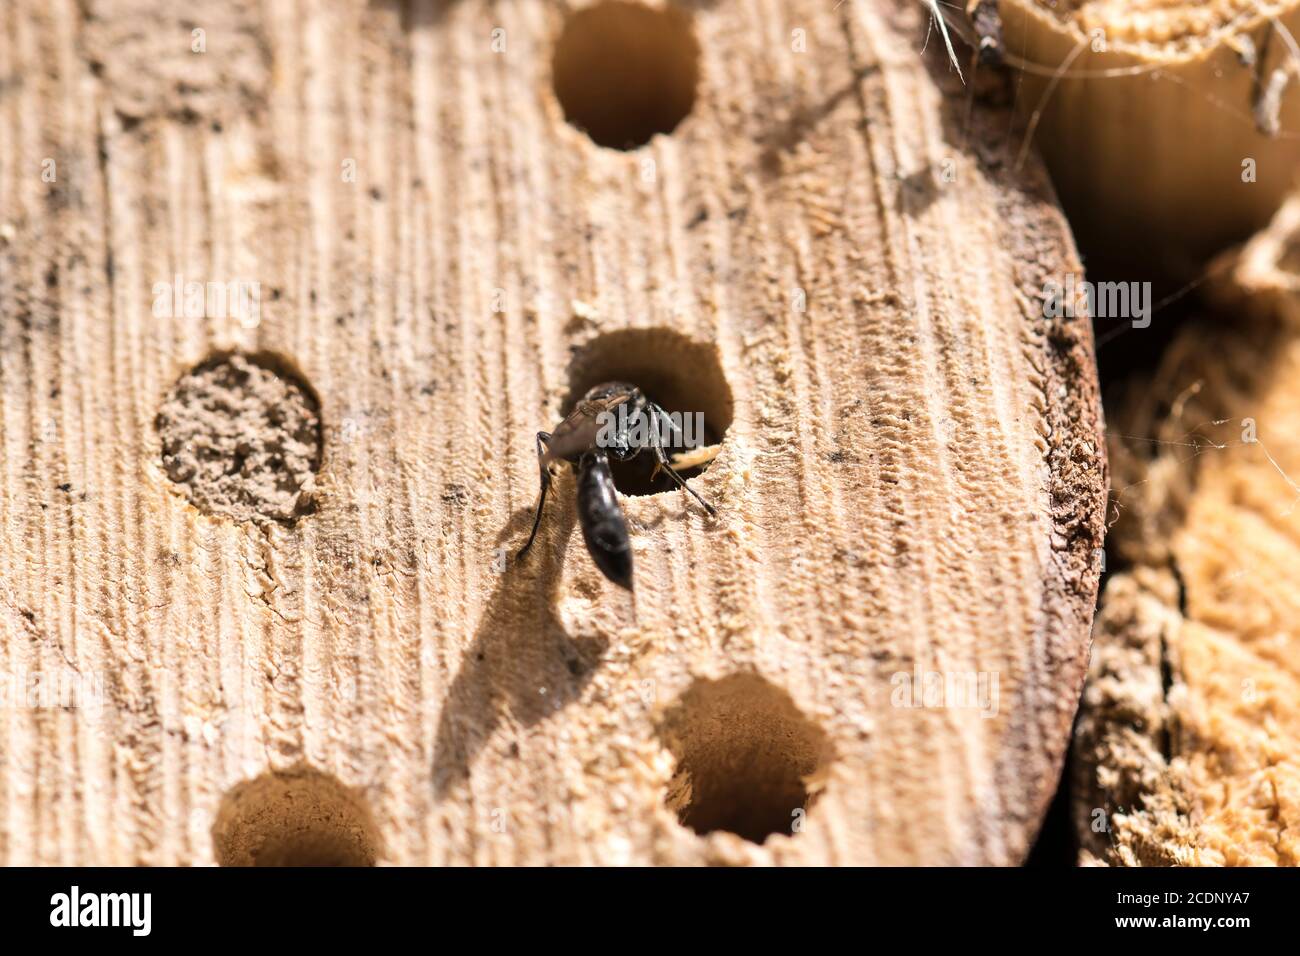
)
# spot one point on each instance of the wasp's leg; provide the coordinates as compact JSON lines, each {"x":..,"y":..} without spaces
{"x":660,"y":423}
{"x":661,"y":461}
{"x":675,"y":437}
{"x":542,"y":439}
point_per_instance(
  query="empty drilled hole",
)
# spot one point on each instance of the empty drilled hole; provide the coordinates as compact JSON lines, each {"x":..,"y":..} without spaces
{"x":300,"y":818}
{"x":748,"y":761}
{"x":241,"y":437}
{"x":625,"y":71}
{"x":682,"y":376}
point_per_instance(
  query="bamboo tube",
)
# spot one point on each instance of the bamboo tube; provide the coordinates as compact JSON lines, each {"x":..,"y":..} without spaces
{"x":1171,"y":129}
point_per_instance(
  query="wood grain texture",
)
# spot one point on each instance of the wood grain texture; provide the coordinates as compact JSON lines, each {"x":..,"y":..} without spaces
{"x":912,"y":480}
{"x":1186,"y":745}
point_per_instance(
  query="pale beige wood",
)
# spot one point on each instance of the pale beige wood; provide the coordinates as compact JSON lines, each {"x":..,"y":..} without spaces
{"x":1186,"y":751}
{"x":913,"y":477}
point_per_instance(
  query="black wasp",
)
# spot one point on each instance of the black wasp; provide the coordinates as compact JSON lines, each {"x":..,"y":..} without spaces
{"x":613,"y":420}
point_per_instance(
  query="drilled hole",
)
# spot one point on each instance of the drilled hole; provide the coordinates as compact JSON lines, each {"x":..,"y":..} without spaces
{"x":241,"y":437}
{"x":299,"y":818}
{"x":680,"y":375}
{"x":624,"y":72}
{"x":748,"y":761}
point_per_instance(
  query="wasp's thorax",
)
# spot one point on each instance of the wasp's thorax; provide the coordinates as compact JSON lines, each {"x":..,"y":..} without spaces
{"x":578,"y":433}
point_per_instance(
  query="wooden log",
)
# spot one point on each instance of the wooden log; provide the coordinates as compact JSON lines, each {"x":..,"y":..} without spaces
{"x":286,"y":291}
{"x":1186,"y":748}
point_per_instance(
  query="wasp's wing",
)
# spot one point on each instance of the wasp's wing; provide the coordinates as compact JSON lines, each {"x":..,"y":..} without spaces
{"x":580,"y":431}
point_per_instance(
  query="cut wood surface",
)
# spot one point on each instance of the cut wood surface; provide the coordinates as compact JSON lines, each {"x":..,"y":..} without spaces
{"x":258,"y":599}
{"x":1171,"y":127}
{"x":1187,"y":748}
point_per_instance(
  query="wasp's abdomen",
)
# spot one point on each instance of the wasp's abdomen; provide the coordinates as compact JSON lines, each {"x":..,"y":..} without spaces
{"x":604,"y":529}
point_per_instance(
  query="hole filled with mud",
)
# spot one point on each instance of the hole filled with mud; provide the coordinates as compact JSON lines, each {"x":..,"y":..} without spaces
{"x":748,"y":761}
{"x":241,"y":437}
{"x":624,"y":72}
